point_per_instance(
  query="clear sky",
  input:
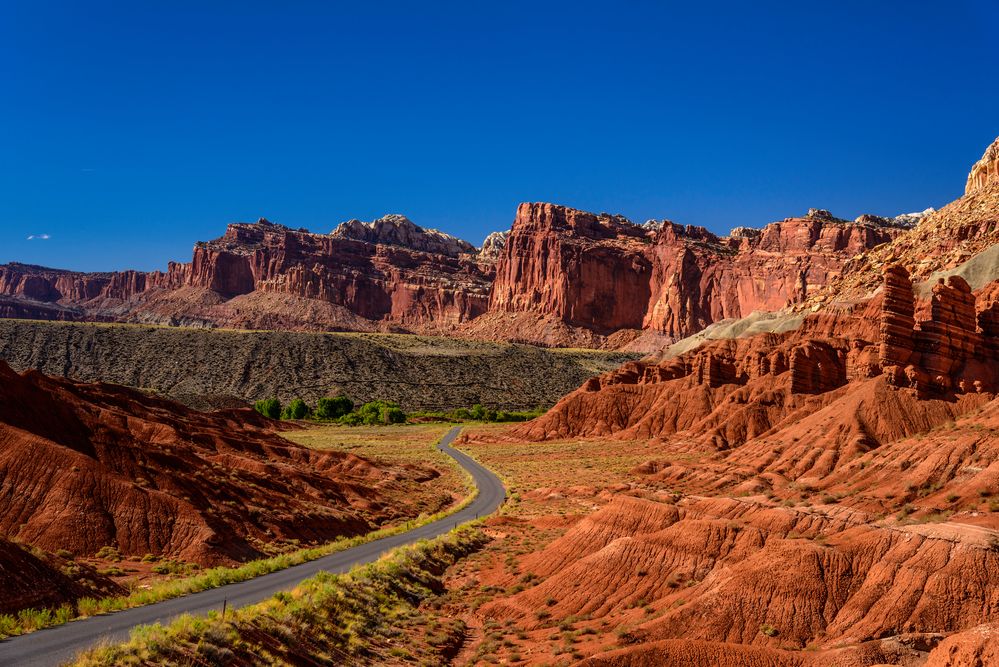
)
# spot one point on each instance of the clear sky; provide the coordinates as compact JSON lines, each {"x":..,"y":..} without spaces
{"x":132,"y":129}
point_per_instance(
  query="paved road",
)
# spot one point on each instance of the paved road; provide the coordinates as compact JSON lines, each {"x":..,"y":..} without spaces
{"x":56,"y":645}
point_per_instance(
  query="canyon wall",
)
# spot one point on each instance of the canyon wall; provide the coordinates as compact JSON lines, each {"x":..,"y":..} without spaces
{"x":597,"y":274}
{"x":699,"y":278}
{"x":586,"y":270}
{"x":559,"y":277}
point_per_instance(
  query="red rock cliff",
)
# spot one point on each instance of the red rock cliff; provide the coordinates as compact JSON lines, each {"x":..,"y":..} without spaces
{"x":699,"y":278}
{"x":586,"y":270}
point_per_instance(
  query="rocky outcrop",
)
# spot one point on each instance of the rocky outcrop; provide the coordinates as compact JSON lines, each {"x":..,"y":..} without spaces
{"x":559,"y":277}
{"x":586,"y":270}
{"x":897,"y":318}
{"x":395,"y":229}
{"x":816,"y":367}
{"x":380,"y":282}
{"x":699,"y":278}
{"x":945,"y":352}
{"x":726,"y":390}
{"x":949,"y":338}
{"x":389,"y":272}
{"x":492,"y":246}
{"x":985,"y":171}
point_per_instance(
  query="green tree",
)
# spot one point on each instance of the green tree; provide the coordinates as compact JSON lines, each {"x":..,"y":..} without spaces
{"x":334,"y":407}
{"x":269,"y":407}
{"x":392,"y":414}
{"x":379,"y":412}
{"x":297,"y":409}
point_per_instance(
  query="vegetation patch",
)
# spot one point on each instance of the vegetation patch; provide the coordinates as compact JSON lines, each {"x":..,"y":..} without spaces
{"x":338,"y":409}
{"x":372,"y":615}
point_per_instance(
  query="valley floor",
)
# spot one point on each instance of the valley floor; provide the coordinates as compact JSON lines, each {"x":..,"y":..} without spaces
{"x":599,"y":558}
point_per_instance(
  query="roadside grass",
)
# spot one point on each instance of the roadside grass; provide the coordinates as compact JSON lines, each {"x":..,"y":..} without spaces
{"x":399,"y":444}
{"x":29,"y":620}
{"x":371,"y":615}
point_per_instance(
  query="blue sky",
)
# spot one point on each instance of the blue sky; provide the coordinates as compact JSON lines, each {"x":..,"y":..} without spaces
{"x":133,"y":129}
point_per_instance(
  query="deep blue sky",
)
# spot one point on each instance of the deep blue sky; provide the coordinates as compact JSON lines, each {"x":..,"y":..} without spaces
{"x":130,"y":130}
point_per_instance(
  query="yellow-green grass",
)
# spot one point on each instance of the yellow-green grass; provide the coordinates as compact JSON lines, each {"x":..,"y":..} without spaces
{"x":371,"y":615}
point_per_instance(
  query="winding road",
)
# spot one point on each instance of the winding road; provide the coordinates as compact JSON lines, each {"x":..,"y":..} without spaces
{"x":59,"y":644}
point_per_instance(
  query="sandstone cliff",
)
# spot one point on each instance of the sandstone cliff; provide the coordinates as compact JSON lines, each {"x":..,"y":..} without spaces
{"x":699,"y":278}
{"x":363,"y":276}
{"x":559,"y":277}
{"x":985,"y":171}
{"x":586,"y":270}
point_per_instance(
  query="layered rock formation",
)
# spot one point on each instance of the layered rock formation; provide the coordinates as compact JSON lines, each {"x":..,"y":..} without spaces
{"x":985,"y":171}
{"x":771,"y":375}
{"x":388,"y":273}
{"x":599,"y":274}
{"x":562,"y":277}
{"x":585,"y":270}
{"x":559,"y":277}
{"x":699,"y":278}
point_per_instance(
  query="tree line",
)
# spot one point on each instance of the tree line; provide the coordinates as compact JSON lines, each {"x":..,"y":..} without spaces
{"x":339,"y":409}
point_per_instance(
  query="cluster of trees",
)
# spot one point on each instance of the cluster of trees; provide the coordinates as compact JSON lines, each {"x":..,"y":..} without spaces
{"x":479,"y":413}
{"x":333,"y":409}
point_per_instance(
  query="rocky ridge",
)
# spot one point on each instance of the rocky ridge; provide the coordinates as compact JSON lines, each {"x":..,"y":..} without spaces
{"x":559,"y":277}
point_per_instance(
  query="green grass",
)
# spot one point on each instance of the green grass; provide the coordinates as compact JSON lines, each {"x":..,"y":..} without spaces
{"x":29,"y":620}
{"x":370,"y":615}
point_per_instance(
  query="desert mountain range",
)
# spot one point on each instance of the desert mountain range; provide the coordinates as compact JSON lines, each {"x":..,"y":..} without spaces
{"x":558,"y":277}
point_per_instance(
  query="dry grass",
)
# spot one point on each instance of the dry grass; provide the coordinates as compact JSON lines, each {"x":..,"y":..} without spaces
{"x":403,"y":444}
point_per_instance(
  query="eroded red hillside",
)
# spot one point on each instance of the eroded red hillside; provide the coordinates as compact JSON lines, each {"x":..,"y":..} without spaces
{"x":83,"y":466}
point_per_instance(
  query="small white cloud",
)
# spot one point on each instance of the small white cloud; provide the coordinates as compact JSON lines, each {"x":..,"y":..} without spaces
{"x":39,"y":237}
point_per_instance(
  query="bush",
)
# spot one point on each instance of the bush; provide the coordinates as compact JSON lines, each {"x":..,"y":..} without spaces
{"x":376,"y":412}
{"x":352,"y":419}
{"x":334,"y":407}
{"x":269,"y":407}
{"x":392,"y":415}
{"x":108,"y":553}
{"x":297,"y":409}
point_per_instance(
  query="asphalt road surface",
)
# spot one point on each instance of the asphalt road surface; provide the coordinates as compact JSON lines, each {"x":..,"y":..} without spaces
{"x":59,"y":644}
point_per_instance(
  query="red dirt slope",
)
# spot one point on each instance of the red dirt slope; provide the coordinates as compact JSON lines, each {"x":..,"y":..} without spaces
{"x":83,"y":466}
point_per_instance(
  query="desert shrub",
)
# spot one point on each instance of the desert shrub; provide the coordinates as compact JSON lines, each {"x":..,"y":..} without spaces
{"x":108,"y":553}
{"x":269,"y":407}
{"x":297,"y":409}
{"x":334,"y":407}
{"x":480,"y":413}
{"x":173,"y":567}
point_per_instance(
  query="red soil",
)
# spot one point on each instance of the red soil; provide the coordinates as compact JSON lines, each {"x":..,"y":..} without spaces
{"x":84,"y":466}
